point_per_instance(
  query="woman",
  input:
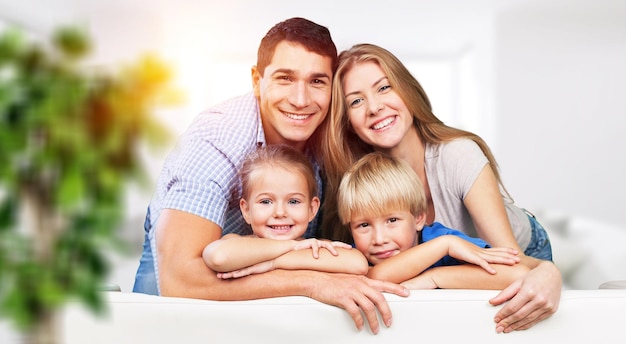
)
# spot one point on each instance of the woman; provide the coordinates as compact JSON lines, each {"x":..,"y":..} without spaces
{"x":379,"y":106}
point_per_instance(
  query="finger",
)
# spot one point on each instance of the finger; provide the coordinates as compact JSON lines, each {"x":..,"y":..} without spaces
{"x":316,"y":249}
{"x":368,"y":307}
{"x":341,"y":244}
{"x":485,"y":265}
{"x":331,"y":248}
{"x":503,"y":296}
{"x":355,"y":313}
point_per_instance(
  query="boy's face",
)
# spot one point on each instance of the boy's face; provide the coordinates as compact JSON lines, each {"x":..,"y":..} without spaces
{"x":294,"y":94}
{"x":381,"y":237}
{"x":279,"y":206}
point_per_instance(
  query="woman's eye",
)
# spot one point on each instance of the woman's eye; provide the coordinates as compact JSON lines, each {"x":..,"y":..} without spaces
{"x":384,"y":88}
{"x":356,"y":102}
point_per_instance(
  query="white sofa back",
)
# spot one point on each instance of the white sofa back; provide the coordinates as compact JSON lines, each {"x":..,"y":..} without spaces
{"x":462,"y":316}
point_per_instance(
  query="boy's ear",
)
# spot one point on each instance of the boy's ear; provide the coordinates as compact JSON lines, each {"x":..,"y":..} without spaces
{"x":256,"y":79}
{"x":420,"y":220}
{"x":315,"y":206}
{"x":245,"y":210}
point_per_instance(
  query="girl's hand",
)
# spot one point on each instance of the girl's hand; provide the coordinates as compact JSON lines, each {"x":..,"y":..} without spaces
{"x":258,"y":268}
{"x":315,"y":245}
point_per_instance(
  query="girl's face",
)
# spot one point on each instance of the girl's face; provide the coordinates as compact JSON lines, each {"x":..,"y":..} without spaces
{"x":376,"y":112}
{"x":379,"y":237}
{"x":279,"y":205}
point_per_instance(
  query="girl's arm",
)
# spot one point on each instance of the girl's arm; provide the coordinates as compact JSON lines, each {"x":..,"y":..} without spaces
{"x":467,"y":276}
{"x":346,"y":260}
{"x":412,"y":262}
{"x":233,"y":252}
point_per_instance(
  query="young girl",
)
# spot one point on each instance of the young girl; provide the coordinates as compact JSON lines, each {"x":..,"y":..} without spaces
{"x":382,"y":201}
{"x":278,"y":189}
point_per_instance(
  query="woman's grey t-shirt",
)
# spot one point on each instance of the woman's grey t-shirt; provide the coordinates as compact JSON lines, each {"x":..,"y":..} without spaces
{"x":451,"y":170}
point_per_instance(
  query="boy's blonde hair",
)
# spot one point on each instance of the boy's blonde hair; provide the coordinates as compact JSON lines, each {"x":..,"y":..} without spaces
{"x":377,"y":184}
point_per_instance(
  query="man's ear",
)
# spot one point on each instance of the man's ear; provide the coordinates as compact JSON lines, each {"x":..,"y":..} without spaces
{"x":420,"y":220}
{"x":315,"y":206}
{"x":256,"y":80}
{"x":245,"y":210}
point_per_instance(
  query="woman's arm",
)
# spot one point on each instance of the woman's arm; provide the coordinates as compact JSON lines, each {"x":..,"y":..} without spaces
{"x":537,"y":294}
{"x":467,"y":276}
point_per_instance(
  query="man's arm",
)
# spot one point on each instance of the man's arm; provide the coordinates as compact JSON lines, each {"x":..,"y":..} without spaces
{"x":181,"y":237}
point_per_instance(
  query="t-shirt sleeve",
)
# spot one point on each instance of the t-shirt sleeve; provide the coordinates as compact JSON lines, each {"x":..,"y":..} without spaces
{"x":201,"y":182}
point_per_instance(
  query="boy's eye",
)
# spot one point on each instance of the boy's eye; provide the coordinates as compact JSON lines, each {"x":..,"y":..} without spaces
{"x":393,"y":219}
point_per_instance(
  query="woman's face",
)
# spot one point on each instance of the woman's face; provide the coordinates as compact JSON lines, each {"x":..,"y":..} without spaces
{"x":376,"y":112}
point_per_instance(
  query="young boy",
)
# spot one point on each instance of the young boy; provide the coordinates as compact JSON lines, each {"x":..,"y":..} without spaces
{"x":278,"y":202}
{"x":383,"y":202}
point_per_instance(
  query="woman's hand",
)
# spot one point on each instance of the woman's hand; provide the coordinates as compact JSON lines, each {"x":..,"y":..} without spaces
{"x":530,"y":299}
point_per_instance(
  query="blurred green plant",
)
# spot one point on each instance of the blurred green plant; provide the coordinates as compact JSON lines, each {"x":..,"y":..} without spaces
{"x":68,"y":150}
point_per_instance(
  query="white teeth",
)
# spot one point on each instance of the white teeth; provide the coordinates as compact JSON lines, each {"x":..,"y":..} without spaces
{"x":383,"y":124}
{"x":296,"y":117}
{"x":284,"y":227}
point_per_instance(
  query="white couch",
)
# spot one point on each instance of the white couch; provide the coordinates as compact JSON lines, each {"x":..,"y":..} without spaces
{"x":585,"y":316}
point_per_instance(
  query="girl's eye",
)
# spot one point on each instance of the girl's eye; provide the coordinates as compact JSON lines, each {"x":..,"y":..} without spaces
{"x":294,"y":201}
{"x":393,"y":219}
{"x":265,"y":201}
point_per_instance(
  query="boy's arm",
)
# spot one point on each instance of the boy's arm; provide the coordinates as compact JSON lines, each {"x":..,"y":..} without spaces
{"x":410,"y":263}
{"x":234,"y":252}
{"x":467,"y":276}
{"x":415,"y":260}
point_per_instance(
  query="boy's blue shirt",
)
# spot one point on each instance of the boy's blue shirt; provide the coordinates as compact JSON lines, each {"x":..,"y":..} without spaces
{"x":436,"y":230}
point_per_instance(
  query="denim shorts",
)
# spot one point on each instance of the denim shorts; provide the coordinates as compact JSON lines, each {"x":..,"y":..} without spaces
{"x":539,"y":246}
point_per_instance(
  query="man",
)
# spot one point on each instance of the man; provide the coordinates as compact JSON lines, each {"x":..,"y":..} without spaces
{"x":198,"y":191}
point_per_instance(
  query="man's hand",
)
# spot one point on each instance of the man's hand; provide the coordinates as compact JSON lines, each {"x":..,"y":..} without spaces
{"x":359,"y":296}
{"x":531,"y":299}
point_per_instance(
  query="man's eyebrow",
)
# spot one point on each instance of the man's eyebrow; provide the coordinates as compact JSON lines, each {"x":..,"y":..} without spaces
{"x":292,"y":72}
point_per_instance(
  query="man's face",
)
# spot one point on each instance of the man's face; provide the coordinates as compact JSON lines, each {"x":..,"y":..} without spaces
{"x":294,"y":94}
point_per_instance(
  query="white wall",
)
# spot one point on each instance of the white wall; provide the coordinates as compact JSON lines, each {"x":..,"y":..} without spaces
{"x":559,"y":91}
{"x":548,"y":74}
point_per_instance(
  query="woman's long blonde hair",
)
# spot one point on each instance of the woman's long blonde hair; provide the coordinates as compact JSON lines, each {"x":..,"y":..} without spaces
{"x":342,"y":147}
